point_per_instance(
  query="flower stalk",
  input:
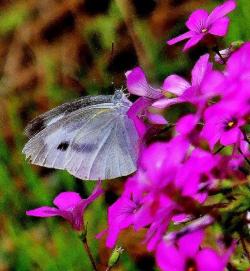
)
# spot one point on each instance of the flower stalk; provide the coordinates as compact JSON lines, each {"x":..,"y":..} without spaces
{"x":84,"y":240}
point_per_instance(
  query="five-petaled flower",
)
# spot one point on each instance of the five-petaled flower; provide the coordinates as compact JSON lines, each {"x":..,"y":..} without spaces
{"x":200,"y":23}
{"x":70,"y":206}
{"x":185,"y":255}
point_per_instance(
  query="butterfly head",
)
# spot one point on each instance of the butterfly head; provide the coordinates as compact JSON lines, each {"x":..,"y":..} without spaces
{"x":120,"y":97}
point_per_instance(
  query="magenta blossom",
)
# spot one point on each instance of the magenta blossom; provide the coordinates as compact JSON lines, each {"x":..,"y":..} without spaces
{"x":238,"y":65}
{"x":223,"y":122}
{"x":126,"y":212}
{"x":200,"y":23}
{"x":142,"y":202}
{"x":204,"y":85}
{"x":185,"y":255}
{"x":70,"y":206}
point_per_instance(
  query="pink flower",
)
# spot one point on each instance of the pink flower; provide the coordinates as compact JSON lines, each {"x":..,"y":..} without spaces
{"x":195,"y":181}
{"x":70,"y":206}
{"x":142,"y":202}
{"x":237,"y":78}
{"x":204,"y":85}
{"x":126,"y":212}
{"x":223,"y":122}
{"x":185,"y":255}
{"x":200,"y":23}
{"x":238,"y":65}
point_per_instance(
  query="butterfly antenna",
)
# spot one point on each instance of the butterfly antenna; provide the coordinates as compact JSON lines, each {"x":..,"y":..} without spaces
{"x":111,"y":59}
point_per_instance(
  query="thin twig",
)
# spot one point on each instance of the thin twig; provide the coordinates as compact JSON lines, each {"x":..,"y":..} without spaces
{"x":245,"y":158}
{"x":220,"y":149}
{"x":127,"y":11}
{"x":244,"y":246}
{"x":245,"y":136}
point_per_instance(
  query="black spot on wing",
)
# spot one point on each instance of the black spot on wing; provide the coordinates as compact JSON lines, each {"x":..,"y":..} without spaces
{"x":86,"y":147}
{"x":63,"y":146}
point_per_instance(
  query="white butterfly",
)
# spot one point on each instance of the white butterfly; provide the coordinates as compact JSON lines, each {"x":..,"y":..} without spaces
{"x":92,"y":138}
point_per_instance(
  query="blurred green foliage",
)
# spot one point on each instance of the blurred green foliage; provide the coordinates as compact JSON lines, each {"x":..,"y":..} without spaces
{"x":49,"y":244}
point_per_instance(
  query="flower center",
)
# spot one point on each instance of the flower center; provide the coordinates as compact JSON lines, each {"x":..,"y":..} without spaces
{"x":230,"y":124}
{"x":204,"y":30}
{"x":190,"y":265}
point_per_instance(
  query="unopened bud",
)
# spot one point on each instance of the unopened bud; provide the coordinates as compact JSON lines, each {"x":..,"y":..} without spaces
{"x":236,"y":45}
{"x":114,"y":258}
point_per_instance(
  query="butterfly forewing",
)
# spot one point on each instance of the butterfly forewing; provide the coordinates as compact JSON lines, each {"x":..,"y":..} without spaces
{"x":95,"y":142}
{"x":56,"y":114}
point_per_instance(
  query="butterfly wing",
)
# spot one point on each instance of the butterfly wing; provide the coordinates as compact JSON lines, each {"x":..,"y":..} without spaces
{"x":56,"y":114}
{"x":98,"y":141}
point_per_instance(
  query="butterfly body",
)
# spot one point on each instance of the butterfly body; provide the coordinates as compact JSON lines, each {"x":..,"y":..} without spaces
{"x":92,"y":138}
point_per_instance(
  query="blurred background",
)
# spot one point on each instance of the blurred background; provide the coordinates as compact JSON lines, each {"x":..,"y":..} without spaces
{"x":52,"y":51}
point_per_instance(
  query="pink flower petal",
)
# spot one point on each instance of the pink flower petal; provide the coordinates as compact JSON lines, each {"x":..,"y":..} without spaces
{"x":135,"y":112}
{"x":186,"y":124}
{"x":182,"y":37}
{"x":211,"y":134}
{"x":44,"y":211}
{"x":200,"y":69}
{"x":211,"y":86}
{"x":112,"y":237}
{"x":221,"y":10}
{"x":67,"y":200}
{"x":156,"y":119}
{"x":197,"y":20}
{"x":95,"y":193}
{"x":137,"y":84}
{"x":120,"y":216}
{"x":169,"y":258}
{"x":164,"y":103}
{"x":189,"y":243}
{"x":230,"y":137}
{"x":181,"y":218}
{"x":193,"y":41}
{"x":208,"y":259}
{"x":238,"y":62}
{"x":220,"y":27}
{"x":175,"y":84}
{"x":101,"y":234}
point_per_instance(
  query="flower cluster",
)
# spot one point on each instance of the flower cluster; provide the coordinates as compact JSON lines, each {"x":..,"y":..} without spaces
{"x":195,"y":180}
{"x":175,"y":189}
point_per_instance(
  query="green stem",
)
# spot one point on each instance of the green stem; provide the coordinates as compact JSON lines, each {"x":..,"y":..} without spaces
{"x":87,"y":249}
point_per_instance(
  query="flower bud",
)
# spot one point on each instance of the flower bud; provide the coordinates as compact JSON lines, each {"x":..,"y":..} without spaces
{"x":114,"y":258}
